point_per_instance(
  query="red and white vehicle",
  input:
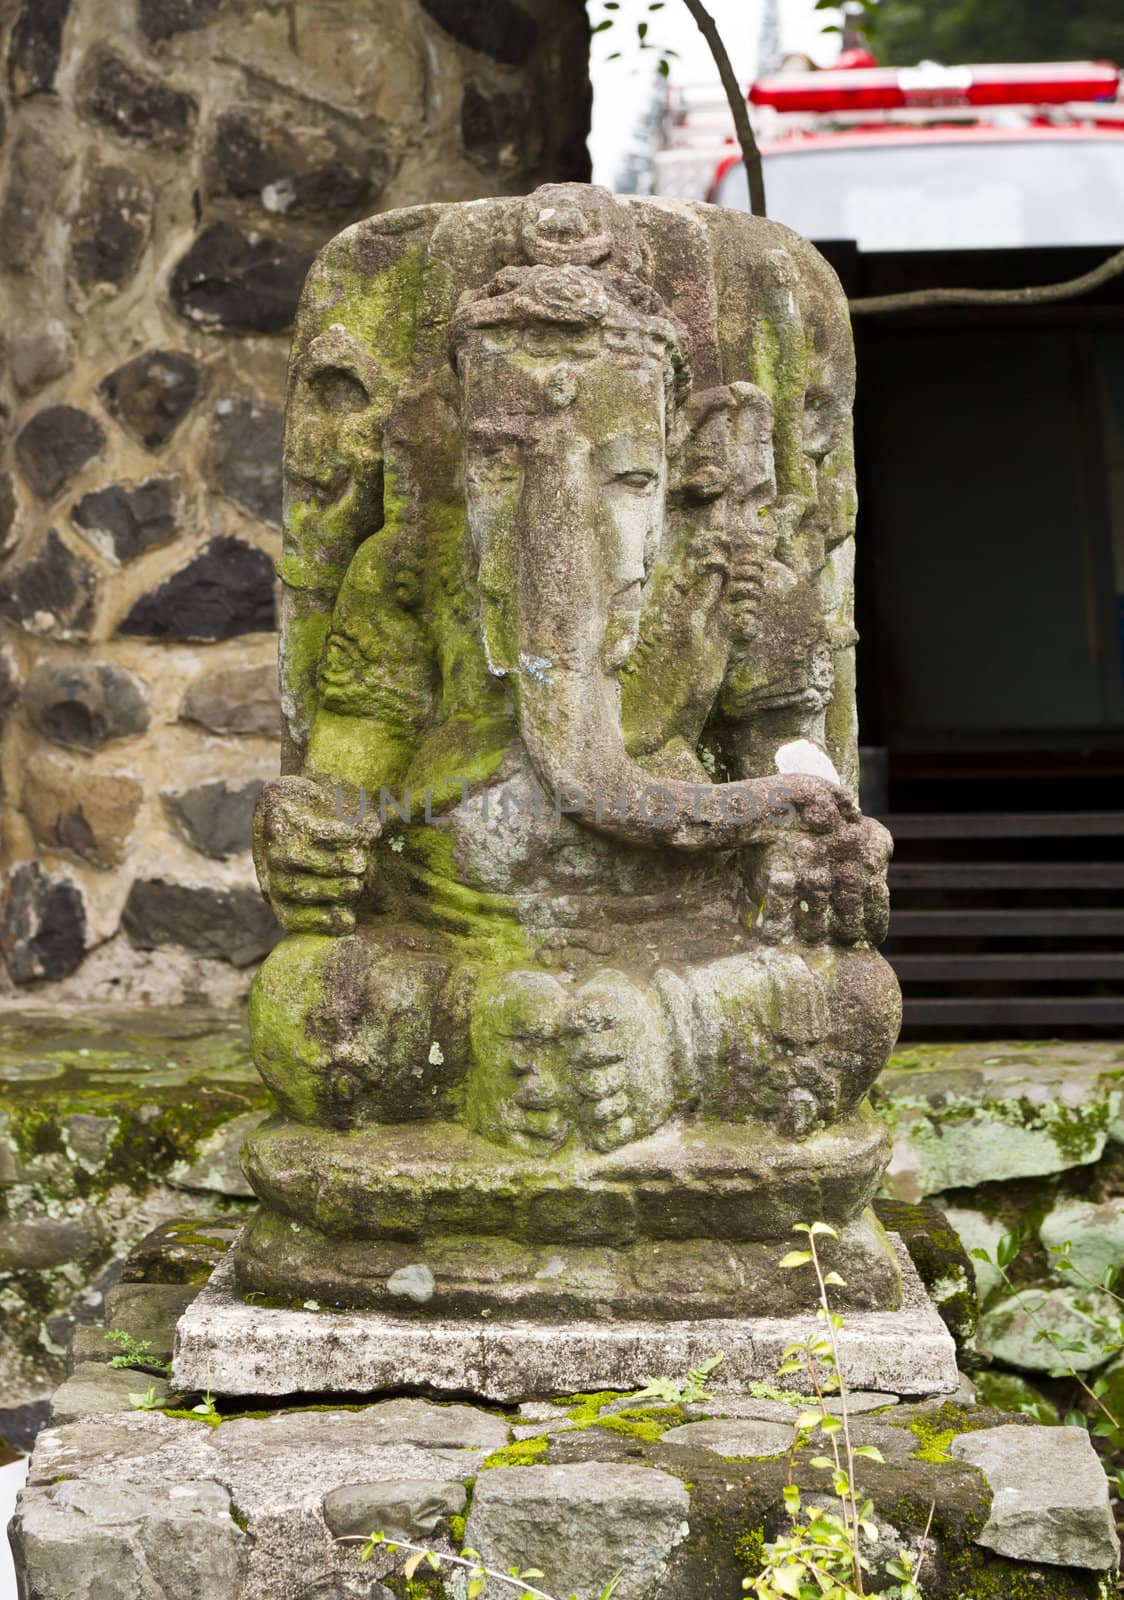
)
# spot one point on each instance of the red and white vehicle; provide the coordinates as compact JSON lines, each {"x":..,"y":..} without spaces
{"x":922,"y":158}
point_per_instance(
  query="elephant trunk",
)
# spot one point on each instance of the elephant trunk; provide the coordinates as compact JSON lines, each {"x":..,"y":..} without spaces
{"x":574,"y":607}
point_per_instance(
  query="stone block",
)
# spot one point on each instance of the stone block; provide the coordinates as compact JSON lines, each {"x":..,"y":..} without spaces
{"x":89,"y":814}
{"x":36,"y":1243}
{"x":52,"y":592}
{"x":151,"y":394}
{"x":55,"y":445}
{"x":1008,"y":1328}
{"x":244,"y":459}
{"x":229,"y":924}
{"x":182,"y":1251}
{"x":988,"y":1118}
{"x":85,"y":704}
{"x":214,"y":817}
{"x":292,"y":167}
{"x":235,"y":282}
{"x":135,"y":104}
{"x":42,"y":924}
{"x":1095,"y":1233}
{"x":124,"y":520}
{"x":38,"y":358}
{"x":95,"y":1387}
{"x":150,"y":1311}
{"x":37,"y":170}
{"x":217,"y":1166}
{"x":226,"y":590}
{"x":502,"y":30}
{"x":88,"y":1139}
{"x":977,"y":1231}
{"x":235,"y":700}
{"x":1049,"y":1498}
{"x":36,"y":46}
{"x":162,"y":19}
{"x":110,"y":230}
{"x":942,"y":1263}
{"x":249,"y":1348}
{"x":412,"y":1510}
{"x":545,"y":1517}
{"x":735,"y":1437}
{"x":82,"y":1541}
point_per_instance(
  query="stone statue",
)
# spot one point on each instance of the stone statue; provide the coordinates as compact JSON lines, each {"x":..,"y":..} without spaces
{"x":579,"y":1000}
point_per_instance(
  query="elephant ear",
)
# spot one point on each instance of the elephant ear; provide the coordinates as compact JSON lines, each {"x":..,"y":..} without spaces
{"x":355,"y":345}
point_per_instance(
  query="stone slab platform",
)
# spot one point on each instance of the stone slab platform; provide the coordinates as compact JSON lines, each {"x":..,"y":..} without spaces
{"x":141,"y":1503}
{"x":240,"y":1349}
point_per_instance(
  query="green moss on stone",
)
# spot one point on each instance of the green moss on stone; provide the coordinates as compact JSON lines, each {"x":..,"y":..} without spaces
{"x":522,"y":1453}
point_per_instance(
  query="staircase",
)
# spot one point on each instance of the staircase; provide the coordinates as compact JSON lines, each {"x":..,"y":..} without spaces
{"x":1009,"y":922}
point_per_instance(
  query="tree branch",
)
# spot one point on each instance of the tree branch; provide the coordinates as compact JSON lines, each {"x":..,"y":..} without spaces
{"x":1043,"y":294}
{"x":735,"y":95}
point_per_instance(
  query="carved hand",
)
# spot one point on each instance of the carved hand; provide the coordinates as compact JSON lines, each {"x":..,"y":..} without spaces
{"x":822,"y":878}
{"x":313,"y":866}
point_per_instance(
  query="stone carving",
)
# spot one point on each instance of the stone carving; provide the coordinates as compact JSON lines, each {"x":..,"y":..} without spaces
{"x":579,"y":999}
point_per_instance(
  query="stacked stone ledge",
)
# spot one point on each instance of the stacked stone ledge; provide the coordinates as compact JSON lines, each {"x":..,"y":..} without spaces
{"x":679,"y":1499}
{"x":167,"y":174}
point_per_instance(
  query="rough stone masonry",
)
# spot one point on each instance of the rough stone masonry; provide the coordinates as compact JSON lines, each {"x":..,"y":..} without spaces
{"x":168,"y":170}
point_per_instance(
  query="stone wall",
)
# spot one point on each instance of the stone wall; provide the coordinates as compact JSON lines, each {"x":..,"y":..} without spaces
{"x":1025,"y":1138}
{"x":169,"y":169}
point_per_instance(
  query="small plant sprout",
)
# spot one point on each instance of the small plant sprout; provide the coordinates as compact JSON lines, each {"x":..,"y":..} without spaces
{"x":516,"y":1578}
{"x":821,"y":1556}
{"x":688,"y":1393}
{"x":148,"y":1401}
{"x":206,"y":1407}
{"x":133,"y":1352}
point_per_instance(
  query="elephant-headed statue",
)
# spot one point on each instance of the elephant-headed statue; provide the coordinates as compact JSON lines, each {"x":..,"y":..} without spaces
{"x":579,"y":999}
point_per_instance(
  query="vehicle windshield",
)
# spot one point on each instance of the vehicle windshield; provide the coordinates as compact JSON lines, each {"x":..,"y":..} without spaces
{"x":969,"y":195}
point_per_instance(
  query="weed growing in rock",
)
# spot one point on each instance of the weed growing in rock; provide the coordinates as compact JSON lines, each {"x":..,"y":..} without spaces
{"x":674,"y":1394}
{"x":821,"y":1556}
{"x":134,"y":1353}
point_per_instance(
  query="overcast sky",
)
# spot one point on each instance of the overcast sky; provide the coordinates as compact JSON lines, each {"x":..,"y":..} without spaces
{"x":621,"y":89}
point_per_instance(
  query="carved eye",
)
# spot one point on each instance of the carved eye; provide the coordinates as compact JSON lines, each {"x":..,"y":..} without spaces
{"x":639,"y":479}
{"x":336,"y":389}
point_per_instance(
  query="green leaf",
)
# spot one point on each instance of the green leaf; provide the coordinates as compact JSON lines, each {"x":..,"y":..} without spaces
{"x":822,"y":1463}
{"x":807,"y":1420}
{"x":980,"y":1255}
{"x":834,"y":1278}
{"x":600,"y":27}
{"x":823,"y":1227}
{"x":641,"y":30}
{"x":1008,"y":1248}
{"x":663,"y":67}
{"x":871,"y":1452}
{"x":795,"y":1258}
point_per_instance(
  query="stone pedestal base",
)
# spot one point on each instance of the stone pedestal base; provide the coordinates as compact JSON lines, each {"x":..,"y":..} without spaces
{"x":239,"y":1348}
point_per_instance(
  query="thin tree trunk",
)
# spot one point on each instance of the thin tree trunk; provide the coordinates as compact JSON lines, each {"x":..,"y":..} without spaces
{"x":735,"y":94}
